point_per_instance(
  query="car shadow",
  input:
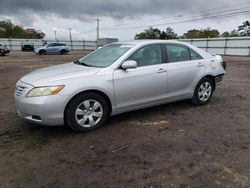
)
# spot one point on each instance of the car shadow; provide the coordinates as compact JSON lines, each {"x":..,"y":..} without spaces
{"x":168,"y":109}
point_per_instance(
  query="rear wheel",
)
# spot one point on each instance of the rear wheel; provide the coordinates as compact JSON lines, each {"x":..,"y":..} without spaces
{"x":86,"y":112}
{"x":203,"y":91}
{"x":63,"y":52}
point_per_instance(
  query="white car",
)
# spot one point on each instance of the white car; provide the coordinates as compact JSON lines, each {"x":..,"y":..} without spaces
{"x":118,"y":78}
{"x":52,"y":48}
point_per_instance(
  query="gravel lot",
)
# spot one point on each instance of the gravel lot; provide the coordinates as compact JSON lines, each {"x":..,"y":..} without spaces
{"x":174,"y":145}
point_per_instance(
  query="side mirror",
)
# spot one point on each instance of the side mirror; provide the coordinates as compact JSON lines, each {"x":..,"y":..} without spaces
{"x":129,"y":64}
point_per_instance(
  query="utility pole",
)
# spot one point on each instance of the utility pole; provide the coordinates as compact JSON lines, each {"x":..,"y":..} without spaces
{"x":97,"y":28}
{"x":70,"y":38}
{"x":55,"y":35}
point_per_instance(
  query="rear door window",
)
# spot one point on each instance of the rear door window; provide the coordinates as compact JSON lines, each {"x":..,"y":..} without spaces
{"x":177,"y":53}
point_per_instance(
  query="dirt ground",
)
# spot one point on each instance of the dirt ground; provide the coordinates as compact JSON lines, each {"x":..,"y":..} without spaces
{"x":174,"y":145}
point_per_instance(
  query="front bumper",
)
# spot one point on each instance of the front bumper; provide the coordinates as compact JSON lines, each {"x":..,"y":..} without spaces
{"x":219,"y":79}
{"x":45,"y":110}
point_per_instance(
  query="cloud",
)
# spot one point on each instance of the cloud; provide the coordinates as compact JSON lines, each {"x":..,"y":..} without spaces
{"x":80,"y":14}
{"x":117,"y":9}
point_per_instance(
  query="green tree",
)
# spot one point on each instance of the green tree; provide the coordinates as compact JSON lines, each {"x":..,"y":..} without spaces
{"x":245,"y":24}
{"x":226,"y":34}
{"x":194,"y":33}
{"x":210,"y":33}
{"x":8,"y":29}
{"x":154,"y":33}
{"x":234,"y":33}
{"x":203,"y":33}
{"x":150,"y":33}
{"x":171,"y":34}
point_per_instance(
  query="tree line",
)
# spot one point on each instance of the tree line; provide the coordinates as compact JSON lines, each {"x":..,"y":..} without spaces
{"x":10,"y":30}
{"x":155,"y":33}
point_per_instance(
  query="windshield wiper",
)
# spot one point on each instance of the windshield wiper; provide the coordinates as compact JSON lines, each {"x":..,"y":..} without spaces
{"x":77,"y":62}
{"x":80,"y":63}
{"x":83,"y":64}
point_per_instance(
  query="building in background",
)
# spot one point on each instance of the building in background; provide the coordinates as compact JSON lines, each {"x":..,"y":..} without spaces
{"x":33,"y":33}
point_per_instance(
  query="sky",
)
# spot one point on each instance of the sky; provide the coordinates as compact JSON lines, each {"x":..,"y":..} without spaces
{"x":123,"y":19}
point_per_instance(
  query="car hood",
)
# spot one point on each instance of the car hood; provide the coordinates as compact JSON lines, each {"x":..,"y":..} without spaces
{"x":40,"y":48}
{"x":58,"y":73}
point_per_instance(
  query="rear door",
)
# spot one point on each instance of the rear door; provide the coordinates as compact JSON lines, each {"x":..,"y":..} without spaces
{"x":50,"y":48}
{"x":144,"y":85}
{"x":185,"y":68}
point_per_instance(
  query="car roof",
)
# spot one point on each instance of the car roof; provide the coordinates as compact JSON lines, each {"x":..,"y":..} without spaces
{"x":143,"y":42}
{"x":56,"y":43}
{"x":139,"y":43}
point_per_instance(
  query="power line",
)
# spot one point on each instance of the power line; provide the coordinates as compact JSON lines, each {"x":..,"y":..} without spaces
{"x":191,"y":19}
{"x":203,"y":12}
{"x":180,"y":19}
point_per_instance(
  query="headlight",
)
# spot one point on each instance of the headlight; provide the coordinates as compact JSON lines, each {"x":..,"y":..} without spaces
{"x":44,"y":91}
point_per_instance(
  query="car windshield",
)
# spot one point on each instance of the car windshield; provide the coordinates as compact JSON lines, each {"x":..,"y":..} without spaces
{"x":105,"y":56}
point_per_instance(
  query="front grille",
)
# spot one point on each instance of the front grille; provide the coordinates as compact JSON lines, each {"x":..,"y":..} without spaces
{"x":20,"y":90}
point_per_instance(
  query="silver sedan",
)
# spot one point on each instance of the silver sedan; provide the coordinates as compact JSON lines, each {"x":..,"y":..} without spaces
{"x":118,"y":78}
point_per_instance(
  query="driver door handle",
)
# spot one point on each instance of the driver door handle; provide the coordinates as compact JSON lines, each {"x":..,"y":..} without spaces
{"x":161,"y":71}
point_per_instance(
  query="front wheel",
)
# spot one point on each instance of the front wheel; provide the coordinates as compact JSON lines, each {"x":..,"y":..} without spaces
{"x":2,"y":53}
{"x":42,"y":52}
{"x":86,"y":112}
{"x":203,"y":91}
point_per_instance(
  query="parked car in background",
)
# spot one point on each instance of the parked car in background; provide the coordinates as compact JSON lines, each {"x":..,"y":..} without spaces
{"x":4,"y":49}
{"x":244,"y":31}
{"x":53,"y":48}
{"x":27,"y":46}
{"x":118,"y":78}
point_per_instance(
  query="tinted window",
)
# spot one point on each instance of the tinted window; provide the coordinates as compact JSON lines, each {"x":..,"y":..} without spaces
{"x":194,"y":55}
{"x":59,"y":44}
{"x":148,"y":55}
{"x":176,"y":53}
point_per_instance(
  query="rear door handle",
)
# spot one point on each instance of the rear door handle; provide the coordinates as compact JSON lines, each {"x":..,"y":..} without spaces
{"x":200,"y":65}
{"x":161,"y":71}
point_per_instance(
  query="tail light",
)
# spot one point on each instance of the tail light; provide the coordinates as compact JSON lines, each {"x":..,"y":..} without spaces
{"x":224,"y":65}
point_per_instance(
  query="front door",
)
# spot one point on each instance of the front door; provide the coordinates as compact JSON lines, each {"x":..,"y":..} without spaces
{"x":144,"y":85}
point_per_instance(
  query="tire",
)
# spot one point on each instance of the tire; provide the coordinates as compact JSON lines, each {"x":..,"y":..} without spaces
{"x":42,"y":52}
{"x":63,"y":52}
{"x":203,"y":91}
{"x":86,"y":112}
{"x":2,"y":53}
